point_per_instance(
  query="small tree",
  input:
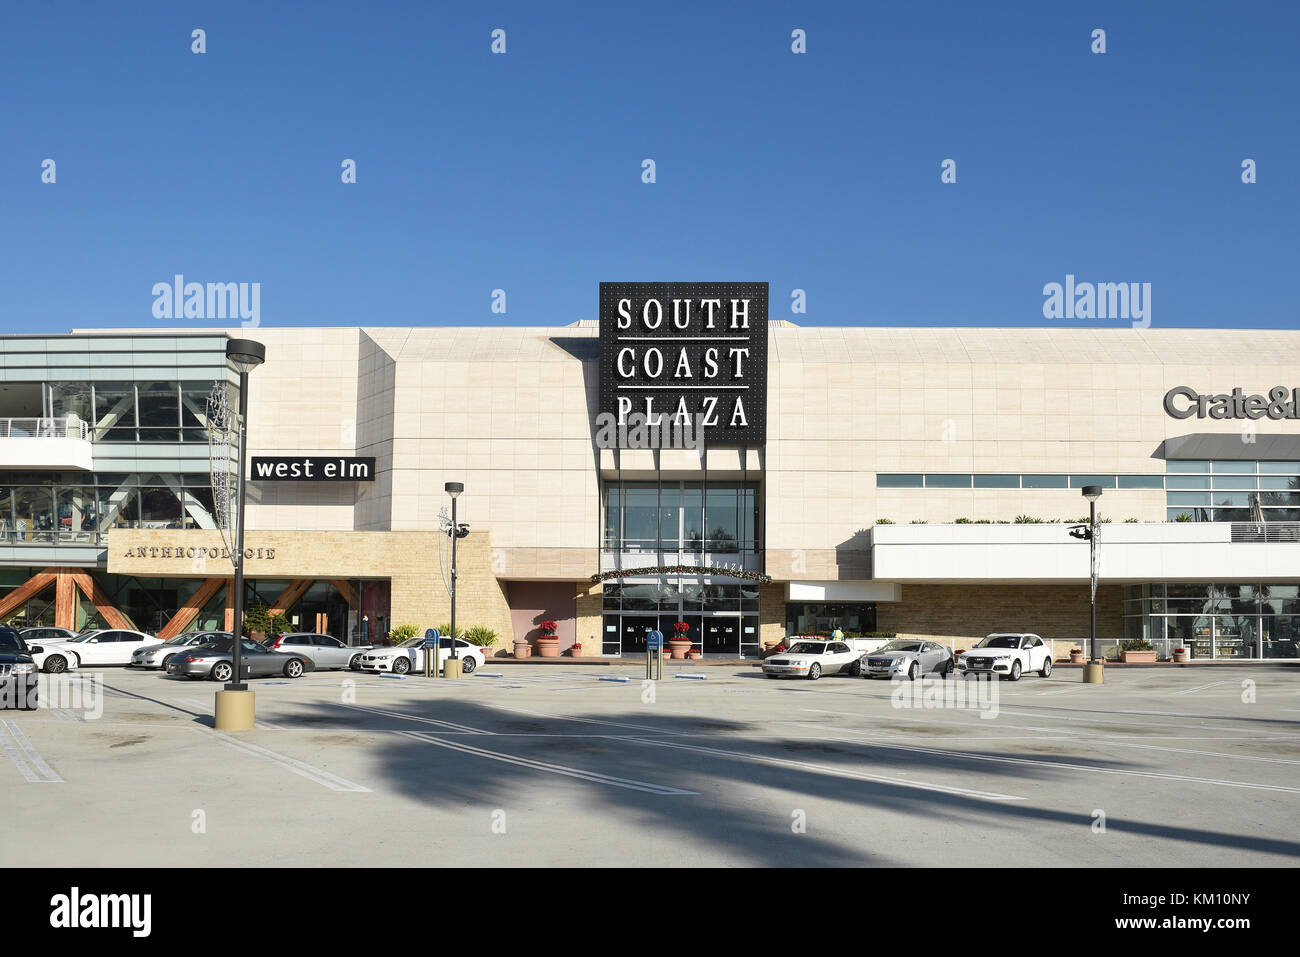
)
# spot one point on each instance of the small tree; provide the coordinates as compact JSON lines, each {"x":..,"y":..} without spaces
{"x":258,"y":618}
{"x":481,"y":635}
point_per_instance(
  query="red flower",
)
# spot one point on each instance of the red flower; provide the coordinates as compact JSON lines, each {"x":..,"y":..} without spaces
{"x":548,"y":628}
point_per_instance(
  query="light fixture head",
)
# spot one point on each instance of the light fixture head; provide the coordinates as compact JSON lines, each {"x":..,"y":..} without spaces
{"x":454,"y":488}
{"x":1092,"y":492}
{"x":245,"y":354}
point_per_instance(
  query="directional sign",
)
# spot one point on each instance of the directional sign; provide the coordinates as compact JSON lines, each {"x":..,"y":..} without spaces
{"x":654,"y":640}
{"x":431,"y":634}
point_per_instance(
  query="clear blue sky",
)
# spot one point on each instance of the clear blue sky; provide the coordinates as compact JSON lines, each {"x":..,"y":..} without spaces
{"x":523,"y":171}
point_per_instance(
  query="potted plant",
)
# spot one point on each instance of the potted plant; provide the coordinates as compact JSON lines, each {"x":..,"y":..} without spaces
{"x":548,"y":642}
{"x":1180,"y":655}
{"x":680,"y":643}
{"x":1137,"y":651}
{"x":693,"y":654}
{"x":575,"y":650}
{"x":482,"y":636}
{"x":1076,"y":656}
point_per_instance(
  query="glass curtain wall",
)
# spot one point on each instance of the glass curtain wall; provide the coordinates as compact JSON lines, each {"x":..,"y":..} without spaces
{"x":681,"y":516}
{"x":1228,"y":621}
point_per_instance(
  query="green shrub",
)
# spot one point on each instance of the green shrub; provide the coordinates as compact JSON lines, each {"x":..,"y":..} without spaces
{"x":1136,"y":644}
{"x":961,"y":521}
{"x":400,"y":633}
{"x":445,"y":630}
{"x":481,"y":635}
{"x":1028,"y":520}
{"x":884,"y":521}
{"x":1183,"y":517}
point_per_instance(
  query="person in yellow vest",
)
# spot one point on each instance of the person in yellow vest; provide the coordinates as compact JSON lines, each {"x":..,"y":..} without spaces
{"x":837,"y":635}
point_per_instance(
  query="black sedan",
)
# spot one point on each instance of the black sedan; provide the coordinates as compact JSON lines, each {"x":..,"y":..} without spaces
{"x":216,"y":661}
{"x":18,"y":673}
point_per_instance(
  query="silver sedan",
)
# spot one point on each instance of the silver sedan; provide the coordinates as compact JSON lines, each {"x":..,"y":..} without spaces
{"x":908,"y":657}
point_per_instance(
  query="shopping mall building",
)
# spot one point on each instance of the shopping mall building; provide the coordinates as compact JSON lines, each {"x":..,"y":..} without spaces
{"x":919,"y":481}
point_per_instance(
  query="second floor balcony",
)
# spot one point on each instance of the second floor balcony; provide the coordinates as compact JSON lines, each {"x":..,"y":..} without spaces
{"x":46,"y":442}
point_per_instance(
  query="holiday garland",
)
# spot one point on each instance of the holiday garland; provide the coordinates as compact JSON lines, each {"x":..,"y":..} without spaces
{"x":685,"y":570}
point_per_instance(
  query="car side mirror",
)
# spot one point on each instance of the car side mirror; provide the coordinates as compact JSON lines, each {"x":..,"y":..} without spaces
{"x":36,"y":649}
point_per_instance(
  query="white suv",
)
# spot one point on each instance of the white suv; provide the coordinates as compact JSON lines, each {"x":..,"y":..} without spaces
{"x":1007,"y":655}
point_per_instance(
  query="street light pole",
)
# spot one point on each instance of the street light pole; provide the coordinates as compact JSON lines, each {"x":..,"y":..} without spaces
{"x":1092,"y":671}
{"x":235,"y":712}
{"x":453,"y":489}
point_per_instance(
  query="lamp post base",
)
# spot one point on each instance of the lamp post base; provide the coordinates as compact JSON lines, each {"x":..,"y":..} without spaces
{"x":235,"y":711}
{"x":451,"y":668}
{"x":1094,"y":673}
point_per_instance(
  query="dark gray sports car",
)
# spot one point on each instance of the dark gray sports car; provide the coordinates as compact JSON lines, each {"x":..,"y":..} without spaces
{"x":216,"y":661}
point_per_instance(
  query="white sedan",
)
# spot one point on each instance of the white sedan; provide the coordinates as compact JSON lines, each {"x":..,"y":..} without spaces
{"x":53,"y":658}
{"x":103,"y":646}
{"x":409,"y":656}
{"x":1007,"y":655}
{"x":812,"y":659}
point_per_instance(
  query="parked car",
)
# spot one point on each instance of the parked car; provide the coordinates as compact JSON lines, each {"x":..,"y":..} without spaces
{"x":908,"y":657}
{"x":52,"y":659}
{"x":157,"y":656}
{"x":39,"y":634}
{"x":409,"y":656}
{"x":812,"y":659}
{"x":326,"y":650}
{"x":18,"y":671}
{"x":216,"y":661}
{"x":102,"y":646}
{"x":1008,"y":656}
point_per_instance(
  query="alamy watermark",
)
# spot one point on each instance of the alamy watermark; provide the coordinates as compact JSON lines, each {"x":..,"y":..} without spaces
{"x":82,"y":693}
{"x":637,"y":430}
{"x":972,"y":694}
{"x":1103,"y":300}
{"x":179,"y":299}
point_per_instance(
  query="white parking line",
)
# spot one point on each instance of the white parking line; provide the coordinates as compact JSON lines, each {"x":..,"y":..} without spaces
{"x":1212,"y":684}
{"x":21,"y":752}
{"x":319,"y":776}
{"x":828,"y":769}
{"x":593,"y":776}
{"x":450,"y":726}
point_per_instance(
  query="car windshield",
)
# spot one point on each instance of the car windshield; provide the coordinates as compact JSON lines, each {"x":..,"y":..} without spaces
{"x":85,"y":636}
{"x":808,"y":648}
{"x":1000,"y":641}
{"x":901,"y":646}
{"x":179,"y":640}
{"x":411,"y":643}
{"x":10,"y":640}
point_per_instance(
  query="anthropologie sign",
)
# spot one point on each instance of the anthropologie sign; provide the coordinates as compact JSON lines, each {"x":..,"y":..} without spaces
{"x":687,"y":352}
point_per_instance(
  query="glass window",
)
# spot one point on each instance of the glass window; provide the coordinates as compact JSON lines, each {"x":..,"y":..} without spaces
{"x":159,"y":410}
{"x":1282,"y":514}
{"x":640,"y":596}
{"x":1234,"y":481}
{"x":1187,"y":481}
{"x":1279,"y":481}
{"x":909,"y":480}
{"x":1044,"y":481}
{"x":640,"y":525}
{"x":1141,"y":481}
{"x":613,"y":515}
{"x":78,"y":509}
{"x":1185,"y":514}
{"x":6,"y":514}
{"x":194,"y":411}
{"x":997,"y":481}
{"x":1230,"y":498}
{"x":1187,"y":465}
{"x":722,"y":517}
{"x":1292,"y":468}
{"x":34,"y":514}
{"x":160,"y":507}
{"x":71,"y":398}
{"x":1232,"y":515}
{"x":670,"y":502}
{"x":943,"y":480}
{"x":114,"y":412}
{"x":1234,"y":467}
{"x":1079,"y":481}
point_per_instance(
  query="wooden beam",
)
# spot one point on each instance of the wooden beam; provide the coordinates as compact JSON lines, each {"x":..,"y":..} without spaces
{"x":26,"y":590}
{"x":65,"y":600}
{"x":345,"y":589}
{"x":193,"y":605}
{"x":90,"y":588}
{"x":230,"y":609}
{"x":297,"y":588}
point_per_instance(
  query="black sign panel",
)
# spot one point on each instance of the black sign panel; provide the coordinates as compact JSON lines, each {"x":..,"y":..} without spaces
{"x":312,"y":468}
{"x":687,"y":350}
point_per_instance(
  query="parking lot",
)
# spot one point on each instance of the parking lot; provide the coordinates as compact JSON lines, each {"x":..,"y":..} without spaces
{"x":555,"y":766}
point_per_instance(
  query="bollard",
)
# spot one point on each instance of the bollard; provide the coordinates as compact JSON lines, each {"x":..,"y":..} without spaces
{"x":1094,"y":673}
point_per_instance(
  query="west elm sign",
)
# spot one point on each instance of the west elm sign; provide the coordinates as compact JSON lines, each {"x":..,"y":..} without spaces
{"x":686,"y":352}
{"x":312,"y":468}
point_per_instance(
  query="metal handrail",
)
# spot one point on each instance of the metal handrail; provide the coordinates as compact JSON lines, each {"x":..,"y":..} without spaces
{"x":44,"y":427}
{"x":1266,"y":531}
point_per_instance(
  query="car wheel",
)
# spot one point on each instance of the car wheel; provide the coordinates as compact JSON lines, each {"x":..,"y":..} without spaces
{"x":814,"y":672}
{"x":166,"y":660}
{"x":56,"y":664}
{"x":468,"y":664}
{"x":355,"y":663}
{"x":1046,"y":670}
{"x":401,"y":666}
{"x":914,"y":671}
{"x":293,"y":668}
{"x":855,"y":670}
{"x":1015,"y":670}
{"x":221,"y":671}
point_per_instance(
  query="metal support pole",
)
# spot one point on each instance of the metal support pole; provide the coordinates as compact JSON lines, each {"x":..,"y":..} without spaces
{"x":1092,"y":564}
{"x":235,"y":683}
{"x":455,"y":534}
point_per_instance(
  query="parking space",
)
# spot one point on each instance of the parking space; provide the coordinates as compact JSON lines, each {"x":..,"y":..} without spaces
{"x":556,"y":765}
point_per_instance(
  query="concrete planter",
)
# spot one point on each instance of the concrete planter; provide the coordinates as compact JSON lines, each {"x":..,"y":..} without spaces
{"x":1077,"y":658}
{"x":548,"y":646}
{"x":1138,"y":657}
{"x":523,"y":649}
{"x":1180,"y":656}
{"x":678,"y":649}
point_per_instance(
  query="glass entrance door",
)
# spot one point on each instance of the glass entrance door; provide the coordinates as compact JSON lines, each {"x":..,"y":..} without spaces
{"x":632,"y":632}
{"x":721,"y":635}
